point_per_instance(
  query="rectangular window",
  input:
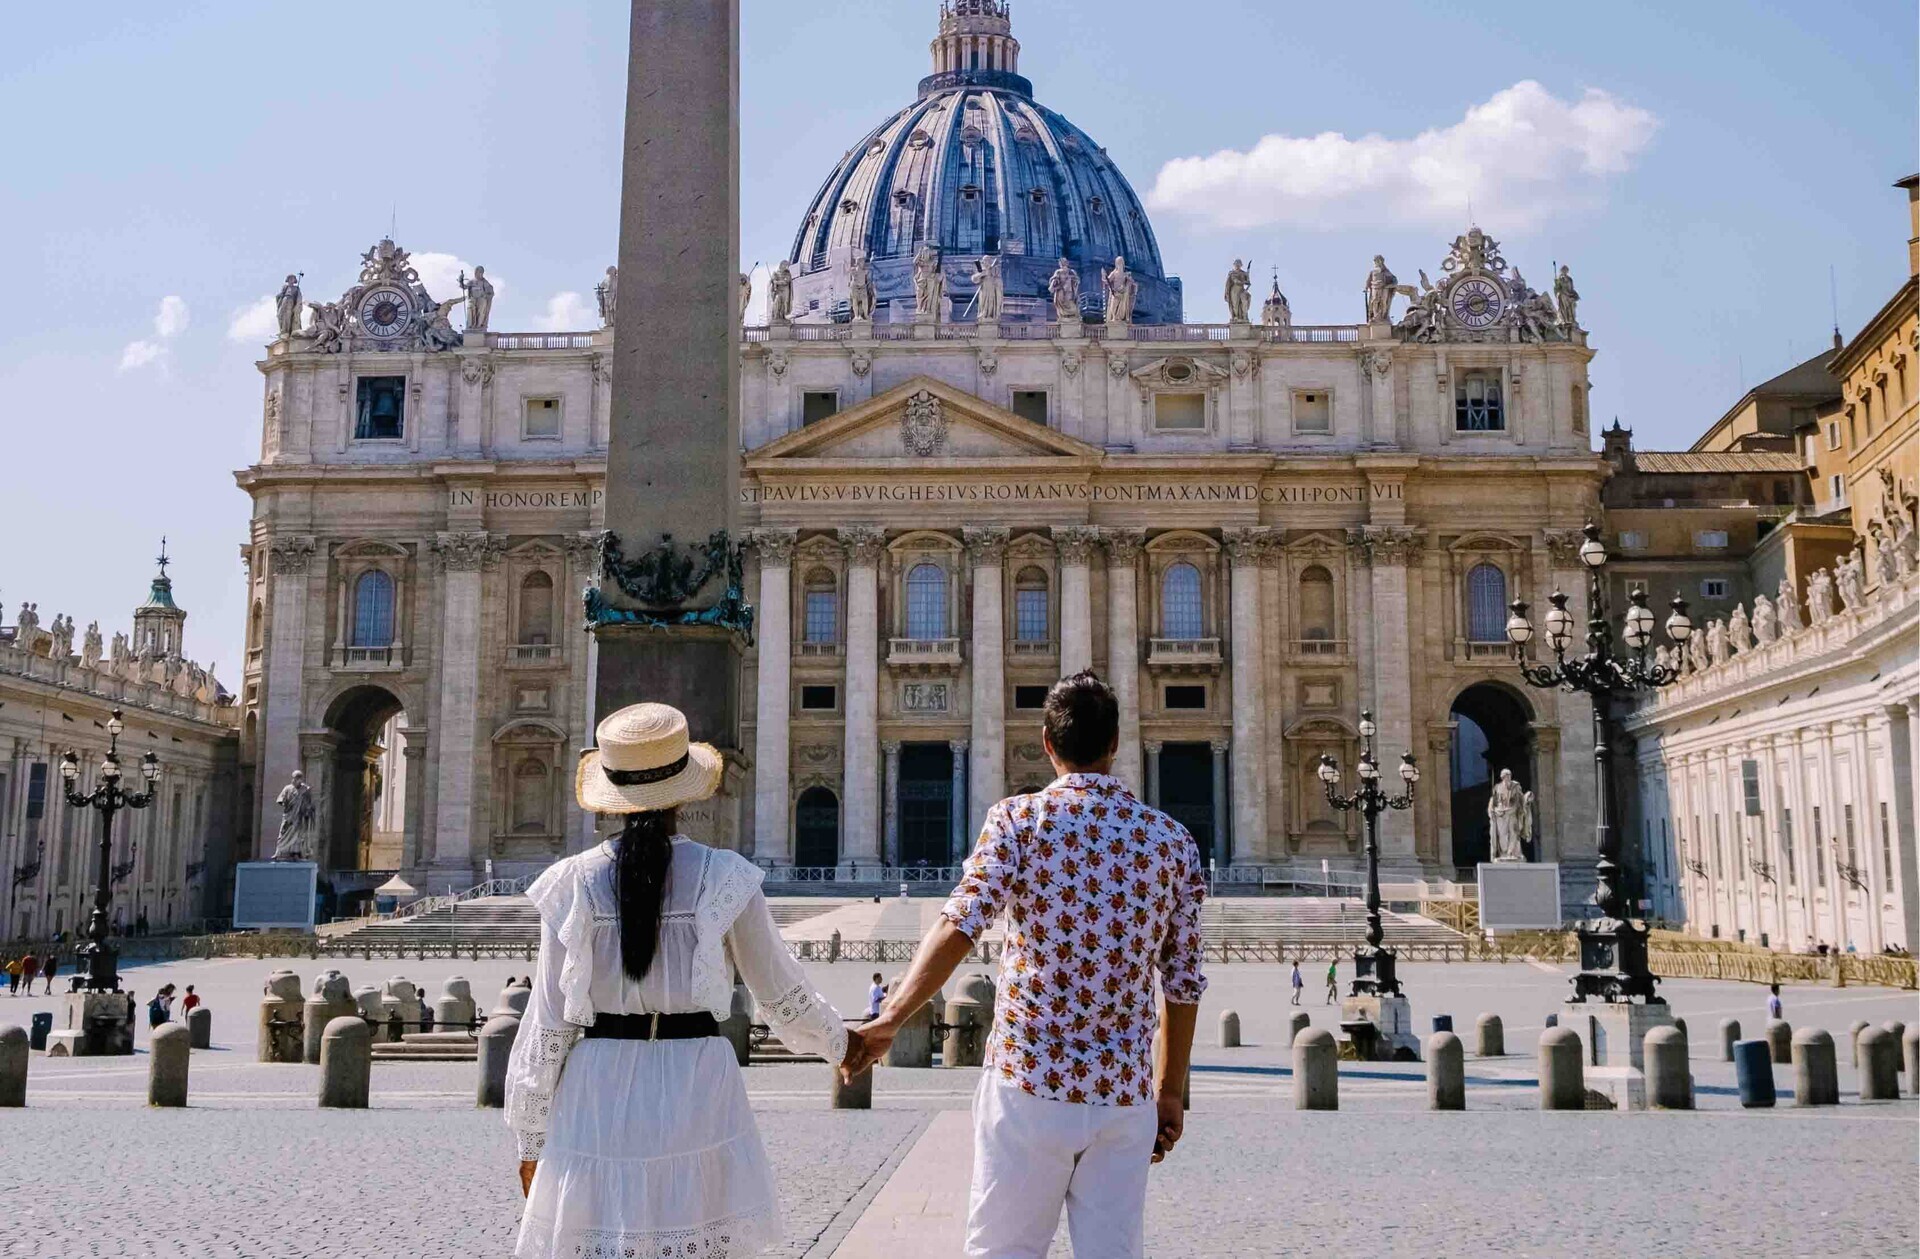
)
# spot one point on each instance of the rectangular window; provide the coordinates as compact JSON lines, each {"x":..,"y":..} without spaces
{"x":823,"y":616}
{"x":1710,"y":539}
{"x":1853,"y":849}
{"x":1030,"y":616}
{"x":1833,"y":434}
{"x":1713,"y":588}
{"x":1312,"y":411}
{"x":1886,"y":848}
{"x":1818,"y":853}
{"x":1837,"y":488}
{"x":817,"y":405}
{"x":1786,"y":845}
{"x":1031,"y":404}
{"x":1030,"y":698}
{"x":819,"y":699}
{"x":1719,"y":850}
{"x":36,"y":790}
{"x":1180,"y":412}
{"x":1186,"y":697}
{"x":1750,"y":787}
{"x":1476,"y":403}
{"x":380,"y":408}
{"x":541,"y":418}
{"x":1633,"y":539}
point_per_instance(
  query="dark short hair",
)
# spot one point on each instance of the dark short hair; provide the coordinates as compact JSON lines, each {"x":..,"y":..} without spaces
{"x":1082,"y":718}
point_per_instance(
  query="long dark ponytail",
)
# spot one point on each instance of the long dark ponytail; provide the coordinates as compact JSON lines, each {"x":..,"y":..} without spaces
{"x":640,"y":860}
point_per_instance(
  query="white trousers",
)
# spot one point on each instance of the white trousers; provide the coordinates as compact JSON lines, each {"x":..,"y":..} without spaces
{"x":1032,"y":1155}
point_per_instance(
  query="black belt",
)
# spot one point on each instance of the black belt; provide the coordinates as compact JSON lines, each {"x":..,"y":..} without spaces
{"x":653,"y":1026}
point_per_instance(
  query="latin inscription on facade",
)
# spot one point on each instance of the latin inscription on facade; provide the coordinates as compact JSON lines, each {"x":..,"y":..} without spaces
{"x":524,"y":500}
{"x":1302,"y":494}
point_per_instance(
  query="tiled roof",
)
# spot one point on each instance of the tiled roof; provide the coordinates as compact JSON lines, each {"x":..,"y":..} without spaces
{"x":1718,"y":461}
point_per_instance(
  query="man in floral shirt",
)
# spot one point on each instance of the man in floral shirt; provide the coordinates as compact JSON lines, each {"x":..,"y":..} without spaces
{"x":1084,"y":1074}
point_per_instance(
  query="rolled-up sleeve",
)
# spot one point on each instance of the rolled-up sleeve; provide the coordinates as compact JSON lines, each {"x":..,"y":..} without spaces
{"x":540,"y":1049}
{"x":987,"y":879}
{"x":1181,"y":980}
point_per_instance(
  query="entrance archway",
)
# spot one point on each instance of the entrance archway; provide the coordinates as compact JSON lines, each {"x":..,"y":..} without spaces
{"x":1186,"y":791}
{"x":364,"y":835}
{"x":926,"y":804}
{"x":816,"y":826}
{"x":1491,"y":732}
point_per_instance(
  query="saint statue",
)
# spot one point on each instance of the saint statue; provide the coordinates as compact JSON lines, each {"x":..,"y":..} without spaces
{"x":986,"y":277}
{"x":1788,"y":606}
{"x":1764,"y":628}
{"x":286,"y":307}
{"x":297,"y":813}
{"x":1565,"y":299}
{"x":1717,"y":642}
{"x":1820,"y":596}
{"x":479,"y":299}
{"x":1739,"y":629}
{"x":1064,"y":286}
{"x":1852,"y":572}
{"x":929,"y":284}
{"x":1121,"y":288}
{"x":1509,"y":819}
{"x":1239,"y":292}
{"x":607,"y":293}
{"x":780,"y":294}
{"x":859,"y":289}
{"x":92,"y":646}
{"x":1380,"y":286}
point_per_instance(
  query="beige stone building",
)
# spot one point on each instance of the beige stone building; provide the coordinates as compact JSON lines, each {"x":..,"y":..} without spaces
{"x":980,"y":451}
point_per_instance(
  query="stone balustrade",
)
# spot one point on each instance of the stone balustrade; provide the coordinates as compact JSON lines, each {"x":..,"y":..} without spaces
{"x":72,"y":673}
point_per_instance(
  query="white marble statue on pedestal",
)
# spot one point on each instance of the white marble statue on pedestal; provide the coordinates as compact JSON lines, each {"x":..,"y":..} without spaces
{"x":929,"y":284}
{"x":297,"y":815}
{"x":1239,"y":293}
{"x":286,"y":307}
{"x":1509,"y":818}
{"x":1122,"y":289}
{"x":1379,"y":290}
{"x":991,"y":289}
{"x":1764,"y":628}
{"x":1064,"y":287}
{"x":479,"y":292}
{"x":780,"y":294}
{"x":1788,"y":606}
{"x":860,"y":289}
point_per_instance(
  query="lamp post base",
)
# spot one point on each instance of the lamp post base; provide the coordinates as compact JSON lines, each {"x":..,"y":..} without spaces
{"x":96,"y":1024}
{"x":99,"y":969}
{"x":1613,"y":963}
{"x":1373,"y":972}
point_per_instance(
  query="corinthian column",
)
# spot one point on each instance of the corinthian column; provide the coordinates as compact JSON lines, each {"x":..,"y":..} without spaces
{"x":771,"y":794}
{"x":986,"y":555}
{"x":860,"y":809}
{"x":1075,"y":545}
{"x":1123,"y":648}
{"x":463,"y":559}
{"x":1387,"y":550}
{"x":1248,"y":756}
{"x":279,"y":750}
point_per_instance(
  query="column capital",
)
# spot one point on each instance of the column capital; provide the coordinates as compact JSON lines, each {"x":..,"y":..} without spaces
{"x":584,"y":550}
{"x":960,"y":747}
{"x":1563,"y":545}
{"x":1123,"y":545}
{"x":290,"y":554}
{"x":890,"y":746}
{"x":773,"y":546}
{"x":1153,"y":746}
{"x":986,"y":545}
{"x":467,"y":552}
{"x":863,"y":543}
{"x":1075,"y":544}
{"x":1248,"y":544}
{"x":1387,"y":544}
{"x":1219,"y":746}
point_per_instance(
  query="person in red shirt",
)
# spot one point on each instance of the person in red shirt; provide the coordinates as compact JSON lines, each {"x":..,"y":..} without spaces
{"x":29,"y":968}
{"x":189,"y":1001}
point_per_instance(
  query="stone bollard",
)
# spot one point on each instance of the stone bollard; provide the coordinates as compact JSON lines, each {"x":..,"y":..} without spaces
{"x":1563,"y":1081}
{"x":1879,"y":1070}
{"x":1816,"y":1071}
{"x":1316,"y":1071}
{"x":1669,"y":1084}
{"x":1729,"y":1036}
{"x":1780,"y":1040}
{"x":13,"y":1066}
{"x":855,"y":1094}
{"x":1490,"y":1036}
{"x":969,"y":1018}
{"x":366,"y":999}
{"x":737,"y":1028}
{"x":496,"y":1047}
{"x":402,"y":998}
{"x":1898,"y":1032}
{"x":512,"y":1003}
{"x":169,"y":1050}
{"x":332,"y":998}
{"x":1446,"y":1072}
{"x":1853,"y":1040}
{"x":1229,"y":1030}
{"x":1298,"y":1022}
{"x":1753,"y":1071}
{"x":913,"y":1046}
{"x":1910,"y":1051}
{"x":455,"y":1009}
{"x":346,"y":1063}
{"x":200,"y":1027}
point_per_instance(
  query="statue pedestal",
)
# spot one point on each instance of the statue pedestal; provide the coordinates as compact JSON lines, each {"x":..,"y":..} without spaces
{"x":1613,"y":1036}
{"x":862,"y":329}
{"x":1240,"y":329}
{"x":925,"y":327}
{"x":1379,"y":331}
{"x":1070,"y":328}
{"x":779,"y":330}
{"x":93,"y":1025}
{"x":474,"y":339}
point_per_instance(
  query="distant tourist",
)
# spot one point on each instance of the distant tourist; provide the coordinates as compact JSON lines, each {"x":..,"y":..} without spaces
{"x":29,"y":969}
{"x":1333,"y":982}
{"x":875,"y":995}
{"x":1774,"y":1009}
{"x":1298,"y":983}
{"x":160,"y":1009}
{"x":13,"y":976}
{"x":654,"y":1149}
{"x":188,"y":1002}
{"x":1062,"y":1115}
{"x":46,"y":972}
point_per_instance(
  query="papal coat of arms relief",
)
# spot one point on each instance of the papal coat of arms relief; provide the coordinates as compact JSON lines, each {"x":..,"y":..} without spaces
{"x":923,"y":425}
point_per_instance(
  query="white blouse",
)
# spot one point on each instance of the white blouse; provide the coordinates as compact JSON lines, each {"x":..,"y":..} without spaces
{"x":713,"y":921}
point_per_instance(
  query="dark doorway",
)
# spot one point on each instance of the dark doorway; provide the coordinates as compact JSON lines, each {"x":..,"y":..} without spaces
{"x":1491,"y":733}
{"x":1186,"y":791}
{"x":816,"y":828}
{"x":360,"y":722}
{"x":926,"y":804}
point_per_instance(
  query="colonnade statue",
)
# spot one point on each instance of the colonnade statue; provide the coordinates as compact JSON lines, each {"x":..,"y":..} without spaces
{"x":297,"y":815}
{"x":1509,"y":818}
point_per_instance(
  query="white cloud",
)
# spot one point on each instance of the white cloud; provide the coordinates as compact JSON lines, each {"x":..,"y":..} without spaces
{"x":255,"y":322}
{"x":567,"y":312}
{"x":1521,"y":157}
{"x":171,"y":319}
{"x":139,"y":354}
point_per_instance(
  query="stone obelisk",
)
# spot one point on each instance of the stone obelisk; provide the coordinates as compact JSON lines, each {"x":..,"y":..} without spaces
{"x":668,"y":616}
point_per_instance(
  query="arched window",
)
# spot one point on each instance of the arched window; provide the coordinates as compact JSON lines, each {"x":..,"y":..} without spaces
{"x":822,"y":609}
{"x":536,"y":609}
{"x":1486,"y":604}
{"x":373,"y":610}
{"x":927,"y":602}
{"x":1316,"y":605}
{"x":1180,"y":615}
{"x":816,"y":824}
{"x":532,"y":794}
{"x":1030,"y":606}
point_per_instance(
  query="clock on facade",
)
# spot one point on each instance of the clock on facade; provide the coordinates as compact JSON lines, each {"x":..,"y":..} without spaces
{"x":1476,"y":302}
{"x":385,"y":312}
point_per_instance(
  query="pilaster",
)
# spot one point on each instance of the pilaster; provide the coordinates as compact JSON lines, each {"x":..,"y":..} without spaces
{"x":986,"y":556}
{"x":772,"y":795}
{"x":1123,"y":646}
{"x":1075,"y":544}
{"x":464,"y":559}
{"x":860,"y":803}
{"x":287,"y":565}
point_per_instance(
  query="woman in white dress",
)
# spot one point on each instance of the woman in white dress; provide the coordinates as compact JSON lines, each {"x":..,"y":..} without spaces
{"x":635,"y":1136}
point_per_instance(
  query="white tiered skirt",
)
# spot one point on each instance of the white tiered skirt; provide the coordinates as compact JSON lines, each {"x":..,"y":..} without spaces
{"x":652,"y":1153}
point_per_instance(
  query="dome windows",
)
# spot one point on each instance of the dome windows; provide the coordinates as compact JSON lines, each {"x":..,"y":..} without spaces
{"x":903,"y":199}
{"x":849,"y":206}
{"x":972,"y":134}
{"x":919,"y":140}
{"x":969,"y":192}
{"x":1096,"y":206}
{"x":1037,"y":195}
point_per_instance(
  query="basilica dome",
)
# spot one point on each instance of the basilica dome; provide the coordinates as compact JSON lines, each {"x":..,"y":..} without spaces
{"x":976,"y":166}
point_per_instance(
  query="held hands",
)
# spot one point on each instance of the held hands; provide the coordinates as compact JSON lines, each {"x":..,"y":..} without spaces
{"x":1173,"y":1121}
{"x":866,"y":1045}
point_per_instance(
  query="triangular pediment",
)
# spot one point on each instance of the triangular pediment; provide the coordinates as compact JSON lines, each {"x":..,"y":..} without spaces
{"x":923,"y":420}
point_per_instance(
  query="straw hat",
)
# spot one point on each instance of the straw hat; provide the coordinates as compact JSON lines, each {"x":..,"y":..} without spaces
{"x":644,"y":762}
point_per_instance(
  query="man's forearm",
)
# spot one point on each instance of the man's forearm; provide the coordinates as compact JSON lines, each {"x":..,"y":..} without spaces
{"x":1173,"y":1046}
{"x":943,"y":949}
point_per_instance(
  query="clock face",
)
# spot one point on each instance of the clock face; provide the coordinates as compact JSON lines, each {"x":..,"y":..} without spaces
{"x":385,"y":312}
{"x":1477,"y":302}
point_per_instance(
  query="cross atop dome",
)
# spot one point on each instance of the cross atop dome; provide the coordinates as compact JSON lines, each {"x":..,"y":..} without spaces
{"x":976,"y":48}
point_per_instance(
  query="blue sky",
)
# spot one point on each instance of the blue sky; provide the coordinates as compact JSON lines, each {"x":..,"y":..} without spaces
{"x":1700,"y":166}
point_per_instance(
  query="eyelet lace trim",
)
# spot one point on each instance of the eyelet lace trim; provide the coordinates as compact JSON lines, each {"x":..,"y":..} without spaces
{"x":722,"y":1239}
{"x":802,"y":1008}
{"x":720,"y":902}
{"x":533,"y":1076}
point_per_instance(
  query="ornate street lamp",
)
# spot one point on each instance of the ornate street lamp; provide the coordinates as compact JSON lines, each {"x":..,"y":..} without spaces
{"x":101,"y":973}
{"x":1613,"y":947}
{"x":1372,"y":965}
